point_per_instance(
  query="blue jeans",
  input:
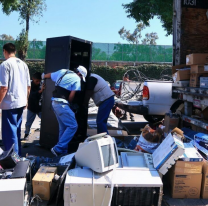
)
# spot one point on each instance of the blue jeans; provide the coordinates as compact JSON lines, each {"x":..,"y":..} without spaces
{"x":103,"y":114}
{"x":11,"y":128}
{"x":67,"y":125}
{"x":30,"y":119}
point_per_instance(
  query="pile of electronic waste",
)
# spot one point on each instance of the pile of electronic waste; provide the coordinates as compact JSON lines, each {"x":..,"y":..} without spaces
{"x":100,"y":173}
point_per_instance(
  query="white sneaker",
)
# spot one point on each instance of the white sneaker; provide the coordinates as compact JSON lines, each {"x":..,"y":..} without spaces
{"x":53,"y":151}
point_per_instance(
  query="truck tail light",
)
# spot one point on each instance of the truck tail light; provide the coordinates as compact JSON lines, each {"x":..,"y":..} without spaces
{"x":145,"y":93}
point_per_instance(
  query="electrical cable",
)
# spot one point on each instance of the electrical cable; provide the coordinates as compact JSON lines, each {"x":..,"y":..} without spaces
{"x":134,"y":87}
{"x":166,"y":75}
{"x":37,"y":198}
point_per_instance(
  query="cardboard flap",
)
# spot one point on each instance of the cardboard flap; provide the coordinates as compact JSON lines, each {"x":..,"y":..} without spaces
{"x":183,"y":167}
{"x":181,"y":66}
{"x":178,"y":131}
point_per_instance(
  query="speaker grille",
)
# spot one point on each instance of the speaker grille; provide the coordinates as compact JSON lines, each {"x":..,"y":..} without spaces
{"x":135,"y":196}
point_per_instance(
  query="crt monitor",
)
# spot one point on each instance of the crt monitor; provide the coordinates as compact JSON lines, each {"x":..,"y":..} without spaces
{"x":98,"y":152}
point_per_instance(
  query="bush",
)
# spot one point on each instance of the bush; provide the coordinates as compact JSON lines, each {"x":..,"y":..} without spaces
{"x":149,"y":70}
{"x":108,"y":73}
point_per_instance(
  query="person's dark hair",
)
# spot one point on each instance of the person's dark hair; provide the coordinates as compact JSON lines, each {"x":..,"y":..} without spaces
{"x":9,"y":47}
{"x":36,"y":75}
{"x":126,"y":75}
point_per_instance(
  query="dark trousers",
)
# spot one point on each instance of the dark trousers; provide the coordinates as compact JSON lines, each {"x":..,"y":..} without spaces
{"x":103,"y":114}
{"x":11,"y":128}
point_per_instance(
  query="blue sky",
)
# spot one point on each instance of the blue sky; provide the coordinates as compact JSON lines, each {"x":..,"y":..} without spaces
{"x":94,"y":20}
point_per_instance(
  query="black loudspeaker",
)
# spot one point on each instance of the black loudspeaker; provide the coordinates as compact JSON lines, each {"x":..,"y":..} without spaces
{"x":63,"y":53}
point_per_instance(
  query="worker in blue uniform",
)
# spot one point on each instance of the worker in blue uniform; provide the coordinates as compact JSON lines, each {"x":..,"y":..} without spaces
{"x":66,"y":84}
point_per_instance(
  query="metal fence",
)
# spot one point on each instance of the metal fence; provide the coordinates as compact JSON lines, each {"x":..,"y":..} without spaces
{"x":109,"y":52}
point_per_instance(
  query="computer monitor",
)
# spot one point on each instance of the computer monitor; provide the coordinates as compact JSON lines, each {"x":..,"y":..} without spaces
{"x":98,"y":152}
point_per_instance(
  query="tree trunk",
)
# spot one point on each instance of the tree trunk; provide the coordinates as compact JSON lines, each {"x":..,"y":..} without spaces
{"x":27,"y":23}
{"x":22,"y":55}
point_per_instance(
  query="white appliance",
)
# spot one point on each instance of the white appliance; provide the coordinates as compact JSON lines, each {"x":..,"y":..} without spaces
{"x":98,"y":152}
{"x":12,"y":192}
{"x":134,"y":184}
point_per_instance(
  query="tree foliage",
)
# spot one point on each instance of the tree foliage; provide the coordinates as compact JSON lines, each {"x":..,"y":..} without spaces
{"x":6,"y":37}
{"x":136,"y":35}
{"x":150,"y":38}
{"x":9,"y":5}
{"x":143,"y":10}
{"x":22,"y":44}
{"x":29,"y":11}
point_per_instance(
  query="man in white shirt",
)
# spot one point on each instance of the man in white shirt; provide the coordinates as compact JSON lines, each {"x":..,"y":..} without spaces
{"x":14,"y":92}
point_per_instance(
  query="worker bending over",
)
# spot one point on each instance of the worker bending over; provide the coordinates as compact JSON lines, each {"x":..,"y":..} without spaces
{"x":98,"y":89}
{"x":66,"y":84}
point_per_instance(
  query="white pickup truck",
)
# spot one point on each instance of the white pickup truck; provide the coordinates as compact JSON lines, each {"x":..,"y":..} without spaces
{"x":153,"y":100}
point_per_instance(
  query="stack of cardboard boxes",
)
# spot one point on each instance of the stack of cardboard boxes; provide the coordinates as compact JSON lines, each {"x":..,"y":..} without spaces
{"x":199,"y":68}
{"x":196,"y":67}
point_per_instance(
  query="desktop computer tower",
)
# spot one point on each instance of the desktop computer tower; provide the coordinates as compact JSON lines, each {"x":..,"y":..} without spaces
{"x":63,"y":53}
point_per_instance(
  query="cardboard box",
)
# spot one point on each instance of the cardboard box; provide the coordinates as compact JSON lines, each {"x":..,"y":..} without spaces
{"x":197,"y":58}
{"x":204,"y":186}
{"x":195,"y":79}
{"x":167,"y":153}
{"x":181,"y":75}
{"x":170,"y":122}
{"x":185,"y":178}
{"x":178,"y":67}
{"x":41,"y":182}
{"x":186,"y":185}
{"x":120,"y":134}
{"x":199,"y":69}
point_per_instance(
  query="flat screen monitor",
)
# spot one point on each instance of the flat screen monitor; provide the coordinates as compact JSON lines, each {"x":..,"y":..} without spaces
{"x":98,"y":152}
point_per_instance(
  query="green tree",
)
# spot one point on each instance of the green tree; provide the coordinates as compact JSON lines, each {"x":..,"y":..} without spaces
{"x":150,"y":38}
{"x":143,"y":10}
{"x":9,"y":5}
{"x":29,"y":11}
{"x":6,"y":37}
{"x":22,"y":44}
{"x":136,"y":35}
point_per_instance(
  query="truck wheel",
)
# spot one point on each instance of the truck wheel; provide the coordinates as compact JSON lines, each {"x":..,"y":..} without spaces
{"x":153,"y":118}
